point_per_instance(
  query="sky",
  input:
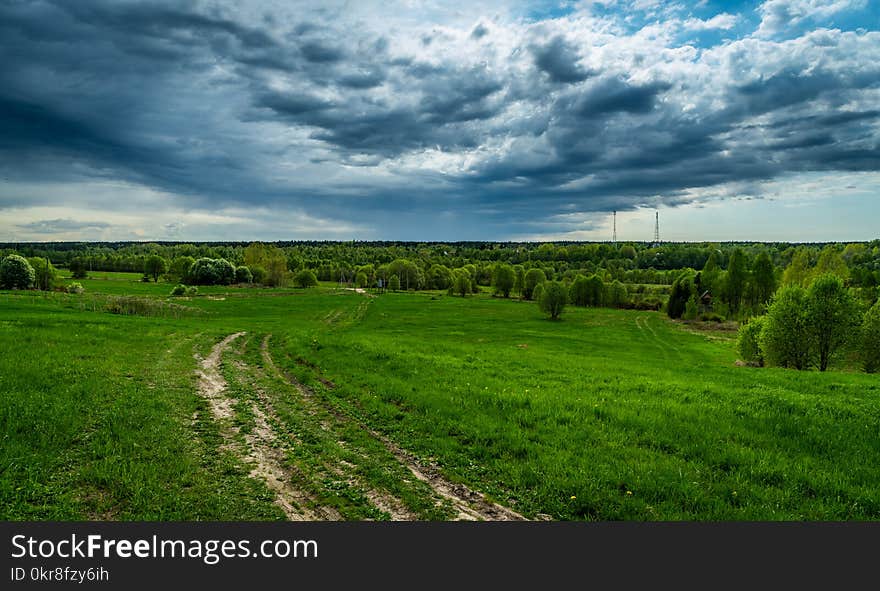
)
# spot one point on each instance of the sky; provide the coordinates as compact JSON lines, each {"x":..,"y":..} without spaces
{"x":442,"y":121}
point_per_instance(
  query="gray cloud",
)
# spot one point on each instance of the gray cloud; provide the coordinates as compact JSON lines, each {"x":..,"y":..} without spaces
{"x":559,"y":61}
{"x":58,"y":226}
{"x":216,"y":106}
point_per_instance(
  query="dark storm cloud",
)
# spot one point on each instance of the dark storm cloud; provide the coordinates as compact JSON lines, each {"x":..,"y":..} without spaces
{"x":614,"y":95}
{"x":214,"y":107}
{"x":558,"y":60}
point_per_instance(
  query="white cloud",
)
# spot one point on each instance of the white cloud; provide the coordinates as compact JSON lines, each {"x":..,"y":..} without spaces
{"x":780,"y":15}
{"x":722,"y":21}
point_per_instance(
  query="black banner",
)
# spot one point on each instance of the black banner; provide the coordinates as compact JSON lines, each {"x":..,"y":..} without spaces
{"x":418,"y":555}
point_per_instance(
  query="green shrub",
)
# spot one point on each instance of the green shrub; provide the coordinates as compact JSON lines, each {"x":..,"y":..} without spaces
{"x":748,"y":341}
{"x":394,"y":283}
{"x":305,"y":278}
{"x":16,"y":273}
{"x":207,"y":271}
{"x":243,"y":275}
{"x":179,"y":290}
{"x":786,"y":339}
{"x":75,"y":287}
{"x":553,"y":298}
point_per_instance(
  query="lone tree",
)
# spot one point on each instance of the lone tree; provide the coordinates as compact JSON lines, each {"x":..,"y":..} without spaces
{"x":833,"y":316}
{"x":553,"y":299}
{"x":786,"y":339}
{"x":16,"y":273}
{"x":155,"y":266}
{"x":503,"y":279}
{"x":305,"y":278}
{"x":870,"y":345}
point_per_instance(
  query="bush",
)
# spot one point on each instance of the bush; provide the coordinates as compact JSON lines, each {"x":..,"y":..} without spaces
{"x":207,"y":271}
{"x":748,"y":342}
{"x":179,"y":290}
{"x":75,"y":287}
{"x":553,"y":298}
{"x":16,"y":273}
{"x":225,"y":271}
{"x":785,"y":339}
{"x":870,"y":341}
{"x":305,"y":278}
{"x":243,"y":275}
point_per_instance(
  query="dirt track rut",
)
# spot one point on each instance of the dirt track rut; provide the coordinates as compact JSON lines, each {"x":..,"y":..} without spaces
{"x":261,"y":446}
{"x":469,"y":504}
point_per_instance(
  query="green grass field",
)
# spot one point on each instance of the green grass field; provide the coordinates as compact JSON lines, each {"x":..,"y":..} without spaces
{"x":604,"y":415}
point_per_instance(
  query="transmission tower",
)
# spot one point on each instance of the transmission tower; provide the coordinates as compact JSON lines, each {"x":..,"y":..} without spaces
{"x":657,"y":227}
{"x":614,"y":234}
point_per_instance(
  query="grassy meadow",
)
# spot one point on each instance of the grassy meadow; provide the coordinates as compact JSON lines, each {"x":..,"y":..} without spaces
{"x":604,"y":415}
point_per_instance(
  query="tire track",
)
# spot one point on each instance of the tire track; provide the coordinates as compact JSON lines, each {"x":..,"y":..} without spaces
{"x":261,"y":449}
{"x":265,"y":416}
{"x":469,"y":505}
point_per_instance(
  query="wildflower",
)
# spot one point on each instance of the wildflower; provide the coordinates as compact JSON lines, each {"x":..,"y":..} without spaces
{"x":629,"y":492}
{"x":573,"y":497}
